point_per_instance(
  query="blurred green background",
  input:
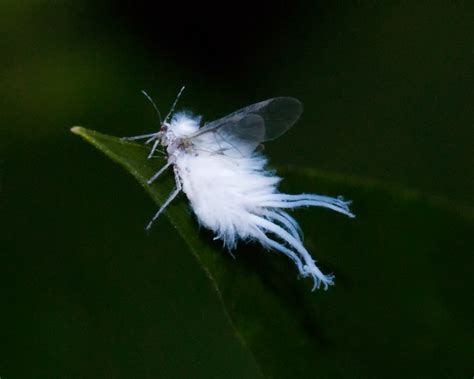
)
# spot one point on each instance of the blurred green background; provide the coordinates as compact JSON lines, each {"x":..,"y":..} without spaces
{"x":387,"y":88}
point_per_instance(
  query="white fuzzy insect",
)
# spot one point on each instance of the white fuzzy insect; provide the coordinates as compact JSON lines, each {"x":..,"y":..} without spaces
{"x":224,"y":177}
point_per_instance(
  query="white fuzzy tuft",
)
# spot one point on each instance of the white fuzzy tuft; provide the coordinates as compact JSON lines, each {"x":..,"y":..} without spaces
{"x":184,"y":123}
{"x":235,"y":197}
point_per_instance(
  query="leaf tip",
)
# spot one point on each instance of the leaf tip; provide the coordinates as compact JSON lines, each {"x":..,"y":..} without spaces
{"x":77,"y":130}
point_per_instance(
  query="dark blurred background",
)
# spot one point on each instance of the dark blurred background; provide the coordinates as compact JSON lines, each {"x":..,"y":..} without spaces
{"x":387,"y":89}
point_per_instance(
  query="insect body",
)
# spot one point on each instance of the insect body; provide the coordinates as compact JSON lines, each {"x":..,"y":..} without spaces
{"x":226,"y":181}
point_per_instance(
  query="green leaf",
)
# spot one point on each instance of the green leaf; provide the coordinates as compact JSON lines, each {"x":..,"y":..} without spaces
{"x":402,"y":304}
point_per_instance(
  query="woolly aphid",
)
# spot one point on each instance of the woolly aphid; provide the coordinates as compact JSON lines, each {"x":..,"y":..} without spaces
{"x":224,"y":176}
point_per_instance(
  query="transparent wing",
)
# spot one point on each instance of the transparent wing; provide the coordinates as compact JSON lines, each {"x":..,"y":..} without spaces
{"x":246,"y":128}
{"x":232,"y":137}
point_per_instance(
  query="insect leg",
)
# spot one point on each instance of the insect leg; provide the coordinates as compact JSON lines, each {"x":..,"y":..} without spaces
{"x":151,"y":139}
{"x":143,"y":136}
{"x":155,"y":145}
{"x":170,"y":198}
{"x":158,"y":173}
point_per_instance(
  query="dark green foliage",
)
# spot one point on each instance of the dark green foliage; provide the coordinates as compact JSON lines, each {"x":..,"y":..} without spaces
{"x":403,"y":267}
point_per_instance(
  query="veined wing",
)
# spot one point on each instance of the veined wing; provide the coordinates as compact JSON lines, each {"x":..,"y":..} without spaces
{"x":242,"y":131}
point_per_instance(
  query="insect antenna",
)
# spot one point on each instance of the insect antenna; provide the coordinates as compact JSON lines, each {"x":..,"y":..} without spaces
{"x":153,"y":136}
{"x":154,"y":105}
{"x":157,"y":140}
{"x":174,"y":104}
{"x":155,"y":145}
{"x":150,"y":136}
